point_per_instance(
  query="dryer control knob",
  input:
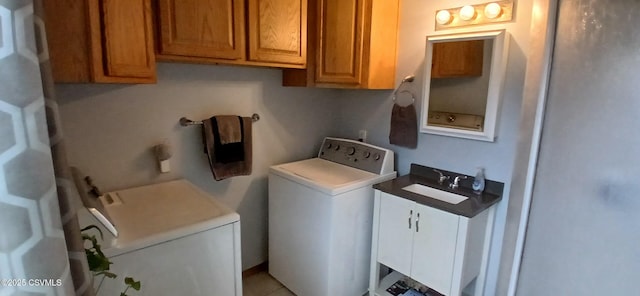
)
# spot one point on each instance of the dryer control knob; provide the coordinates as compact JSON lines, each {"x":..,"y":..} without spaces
{"x":337,"y":147}
{"x":376,"y":156}
{"x":351,"y":150}
{"x":366,"y":154}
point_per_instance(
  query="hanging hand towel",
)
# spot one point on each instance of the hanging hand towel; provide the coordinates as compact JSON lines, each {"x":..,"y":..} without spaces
{"x":404,"y":126}
{"x":228,"y":145}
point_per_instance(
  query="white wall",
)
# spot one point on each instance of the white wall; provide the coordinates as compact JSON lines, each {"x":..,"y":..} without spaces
{"x":371,"y":110}
{"x":110,"y":130}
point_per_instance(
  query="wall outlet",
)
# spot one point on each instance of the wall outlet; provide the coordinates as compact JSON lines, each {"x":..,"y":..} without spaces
{"x":362,"y":136}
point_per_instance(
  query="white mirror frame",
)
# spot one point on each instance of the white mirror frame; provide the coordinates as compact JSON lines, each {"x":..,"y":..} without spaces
{"x":499,"y":55}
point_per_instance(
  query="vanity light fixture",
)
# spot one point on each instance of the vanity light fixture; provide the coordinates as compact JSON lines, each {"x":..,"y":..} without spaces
{"x":443,"y":17}
{"x":467,"y":13}
{"x":477,"y":14}
{"x":492,"y":10}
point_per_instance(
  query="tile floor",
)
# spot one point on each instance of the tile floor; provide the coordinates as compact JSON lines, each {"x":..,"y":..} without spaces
{"x":263,"y":284}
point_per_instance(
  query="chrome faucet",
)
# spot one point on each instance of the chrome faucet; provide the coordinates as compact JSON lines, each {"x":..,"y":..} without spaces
{"x":442,"y":177}
{"x":456,"y":182}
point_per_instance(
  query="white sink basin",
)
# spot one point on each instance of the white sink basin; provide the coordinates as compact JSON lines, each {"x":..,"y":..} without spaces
{"x":445,"y":196}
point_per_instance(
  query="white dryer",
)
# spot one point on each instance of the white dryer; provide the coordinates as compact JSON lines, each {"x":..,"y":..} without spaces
{"x":320,"y":218}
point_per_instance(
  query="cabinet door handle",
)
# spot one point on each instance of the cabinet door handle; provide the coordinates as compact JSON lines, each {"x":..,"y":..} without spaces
{"x":418,"y":222}
{"x":410,"y":215}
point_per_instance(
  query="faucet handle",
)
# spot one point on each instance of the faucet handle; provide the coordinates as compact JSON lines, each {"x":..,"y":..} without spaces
{"x":456,"y":181}
{"x":442,"y":177}
{"x":458,"y":178}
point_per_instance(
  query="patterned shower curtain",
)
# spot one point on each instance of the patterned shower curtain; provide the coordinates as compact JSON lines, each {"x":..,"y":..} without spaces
{"x":41,"y":251}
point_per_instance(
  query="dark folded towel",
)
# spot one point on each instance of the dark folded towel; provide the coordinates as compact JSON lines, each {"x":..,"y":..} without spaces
{"x":232,"y":158}
{"x":224,"y":128}
{"x":404,"y":126}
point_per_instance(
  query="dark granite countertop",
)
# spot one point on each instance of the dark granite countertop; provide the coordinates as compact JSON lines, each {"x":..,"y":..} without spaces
{"x":475,"y":204}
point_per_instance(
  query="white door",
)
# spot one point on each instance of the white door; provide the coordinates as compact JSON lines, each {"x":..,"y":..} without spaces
{"x":395,"y":236}
{"x":583,"y":236}
{"x":434,"y":246}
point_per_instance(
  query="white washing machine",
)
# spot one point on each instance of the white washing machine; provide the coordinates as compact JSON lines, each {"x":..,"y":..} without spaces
{"x":172,"y":236}
{"x":320,"y":218}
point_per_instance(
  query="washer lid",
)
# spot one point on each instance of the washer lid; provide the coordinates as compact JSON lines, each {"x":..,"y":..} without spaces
{"x":326,"y":176}
{"x":156,"y":213}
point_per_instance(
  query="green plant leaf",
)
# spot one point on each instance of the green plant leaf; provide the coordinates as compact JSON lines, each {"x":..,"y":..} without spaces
{"x":132,"y":283}
{"x":99,"y":264}
{"x":91,"y":238}
{"x":128,"y":281}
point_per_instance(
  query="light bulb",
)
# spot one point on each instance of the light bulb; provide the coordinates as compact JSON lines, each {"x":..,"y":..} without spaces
{"x":492,"y":10}
{"x":467,"y":13}
{"x":443,"y":17}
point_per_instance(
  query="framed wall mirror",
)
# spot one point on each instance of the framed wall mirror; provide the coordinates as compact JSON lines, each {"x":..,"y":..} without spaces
{"x":464,"y":76}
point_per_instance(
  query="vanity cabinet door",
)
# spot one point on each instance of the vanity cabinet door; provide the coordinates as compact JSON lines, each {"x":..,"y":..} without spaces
{"x":434,"y":247}
{"x":278,"y":31}
{"x":395,"y":235}
{"x":441,"y":250}
{"x":418,"y":241}
{"x":457,"y":59}
{"x":202,"y":28}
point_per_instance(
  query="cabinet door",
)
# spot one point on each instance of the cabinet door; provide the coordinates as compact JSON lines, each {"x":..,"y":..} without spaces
{"x":395,"y":235}
{"x":434,"y":246}
{"x":278,"y":31}
{"x":68,"y":40}
{"x":340,"y":41}
{"x":457,"y":59}
{"x":127,"y":43}
{"x":106,"y":41}
{"x":202,"y":28}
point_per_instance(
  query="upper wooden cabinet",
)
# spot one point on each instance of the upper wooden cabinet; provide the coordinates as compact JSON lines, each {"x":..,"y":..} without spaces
{"x":277,"y":31}
{"x":355,"y":45}
{"x":107,"y":41}
{"x":457,"y":59}
{"x":213,"y":31}
{"x":202,"y":28}
{"x":340,"y":42}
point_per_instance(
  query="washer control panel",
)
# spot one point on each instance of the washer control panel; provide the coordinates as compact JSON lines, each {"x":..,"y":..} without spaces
{"x":356,"y":154}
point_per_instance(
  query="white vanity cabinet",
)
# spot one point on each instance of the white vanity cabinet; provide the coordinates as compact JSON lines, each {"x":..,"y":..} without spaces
{"x":441,"y":250}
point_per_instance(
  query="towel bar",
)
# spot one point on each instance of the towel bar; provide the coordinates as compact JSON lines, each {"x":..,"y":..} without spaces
{"x":187,"y":122}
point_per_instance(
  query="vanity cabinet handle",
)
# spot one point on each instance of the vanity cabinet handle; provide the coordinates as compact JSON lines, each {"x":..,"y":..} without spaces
{"x":410,"y":215}
{"x":418,"y":222}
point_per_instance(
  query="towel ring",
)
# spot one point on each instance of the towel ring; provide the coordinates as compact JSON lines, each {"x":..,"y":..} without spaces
{"x":413,"y":98}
